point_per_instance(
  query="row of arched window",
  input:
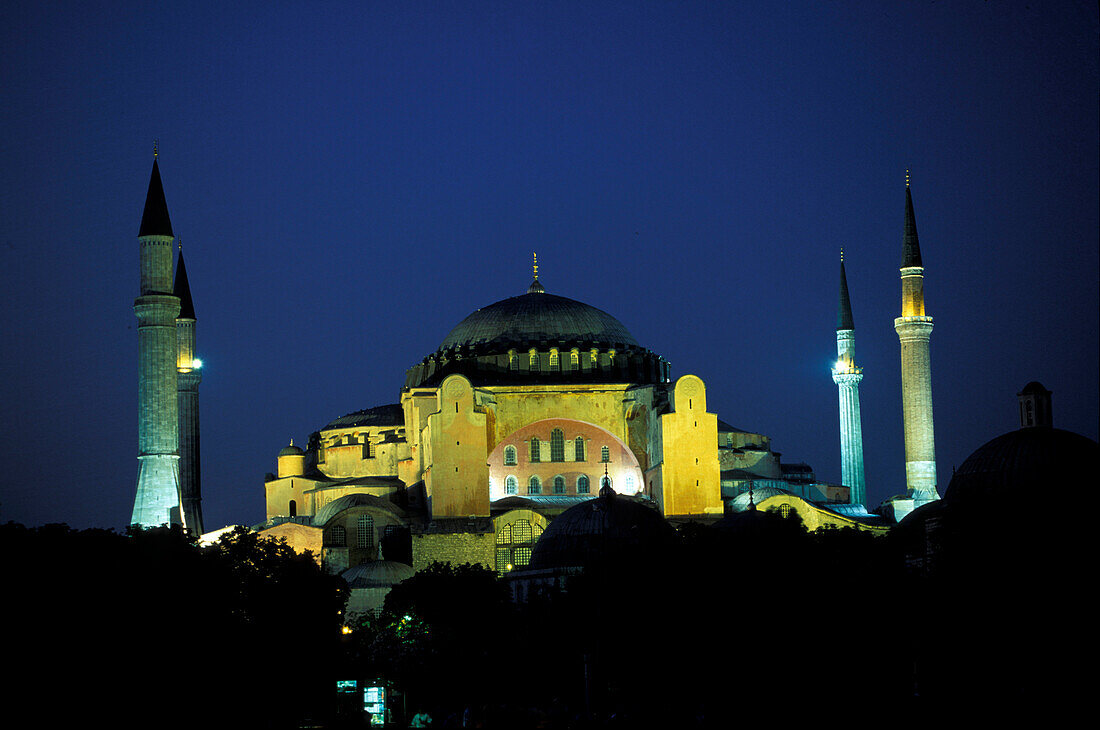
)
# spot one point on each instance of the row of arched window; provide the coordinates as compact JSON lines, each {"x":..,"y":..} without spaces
{"x":534,"y":362}
{"x":556,"y":486}
{"x":557,"y":449}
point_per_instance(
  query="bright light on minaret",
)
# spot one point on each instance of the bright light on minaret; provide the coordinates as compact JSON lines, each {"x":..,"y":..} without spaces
{"x":196,"y":363}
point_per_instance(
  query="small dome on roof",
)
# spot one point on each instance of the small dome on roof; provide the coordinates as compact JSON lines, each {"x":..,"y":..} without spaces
{"x":357,"y":499}
{"x":291,"y":450}
{"x":611,"y":524}
{"x":377,"y":574}
{"x":740,"y":503}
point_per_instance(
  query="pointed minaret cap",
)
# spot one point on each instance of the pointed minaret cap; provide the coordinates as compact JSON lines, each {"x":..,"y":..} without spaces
{"x":155,"y":221}
{"x":536,"y":287}
{"x":910,"y":249}
{"x":182,"y":289}
{"x":844,"y":307}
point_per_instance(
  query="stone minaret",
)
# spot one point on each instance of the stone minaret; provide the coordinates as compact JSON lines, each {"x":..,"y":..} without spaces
{"x":846,"y":375}
{"x":189,"y":375}
{"x":157,"y":500}
{"x":914,"y":330}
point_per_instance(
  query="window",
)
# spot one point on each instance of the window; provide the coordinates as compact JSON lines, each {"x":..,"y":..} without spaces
{"x":784,"y":510}
{"x":522,"y":532}
{"x":511,"y":484}
{"x":578,"y":449}
{"x":337,"y":536}
{"x":594,"y":354}
{"x":533,"y":356}
{"x":605,"y":481}
{"x":513,"y":361}
{"x":364,"y":531}
{"x":605,"y":454}
{"x":522,"y":557}
{"x":293,"y":508}
{"x":534,"y":486}
{"x":574,"y":360}
{"x":557,"y":445}
{"x":629,"y":484}
{"x":509,"y":455}
{"x":536,"y":448}
{"x":559,"y":485}
{"x":555,"y":363}
{"x":582,"y":484}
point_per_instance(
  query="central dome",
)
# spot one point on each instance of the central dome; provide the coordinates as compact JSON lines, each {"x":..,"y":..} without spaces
{"x":538,"y":317}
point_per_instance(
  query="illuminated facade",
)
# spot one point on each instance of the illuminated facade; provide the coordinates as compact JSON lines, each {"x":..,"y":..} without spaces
{"x":524,"y":410}
{"x":168,"y":378}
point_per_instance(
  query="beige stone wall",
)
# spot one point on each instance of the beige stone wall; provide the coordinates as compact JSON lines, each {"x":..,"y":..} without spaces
{"x":362,"y":451}
{"x":299,"y":537}
{"x":813,"y":517}
{"x":454,"y":548}
{"x":279,"y":493}
{"x":457,"y":482}
{"x":690,"y":478}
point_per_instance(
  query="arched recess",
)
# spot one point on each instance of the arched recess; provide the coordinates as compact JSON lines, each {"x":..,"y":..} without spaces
{"x":622,"y":465}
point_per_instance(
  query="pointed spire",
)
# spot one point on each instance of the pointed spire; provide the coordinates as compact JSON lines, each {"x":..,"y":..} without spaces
{"x":182,"y":289}
{"x":536,"y":287}
{"x":910,"y":250}
{"x":155,"y":221}
{"x":844,"y":308}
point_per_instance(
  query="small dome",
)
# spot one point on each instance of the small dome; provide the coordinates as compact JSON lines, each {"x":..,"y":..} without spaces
{"x":291,"y":450}
{"x":740,"y":503}
{"x":1023,"y":464}
{"x":377,"y":574}
{"x":357,"y":499}
{"x":608,"y":525}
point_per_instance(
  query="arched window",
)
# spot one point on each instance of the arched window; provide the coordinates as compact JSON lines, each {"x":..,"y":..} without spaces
{"x":557,"y":445}
{"x":784,"y":510}
{"x":628,"y":483}
{"x":533,"y":357}
{"x":337,"y":536}
{"x":513,"y":361}
{"x":293,"y":508}
{"x":605,"y":454}
{"x":509,"y":455}
{"x":574,"y":360}
{"x":555,"y":363}
{"x":511,"y":484}
{"x":534,"y":486}
{"x":536,"y":448}
{"x":582,"y":484}
{"x":364,"y":531}
{"x":594,"y":357}
{"x":559,"y":485}
{"x":578,"y":449}
{"x":522,"y":532}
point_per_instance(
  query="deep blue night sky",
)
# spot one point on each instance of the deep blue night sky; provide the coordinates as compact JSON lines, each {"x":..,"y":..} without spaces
{"x":351,"y":179}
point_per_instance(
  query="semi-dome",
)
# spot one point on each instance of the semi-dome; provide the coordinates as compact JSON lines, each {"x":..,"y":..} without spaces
{"x":377,"y":574}
{"x":538,"y":317}
{"x":609,"y":526}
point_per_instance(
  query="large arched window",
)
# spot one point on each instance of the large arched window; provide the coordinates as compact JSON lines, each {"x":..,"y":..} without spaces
{"x":511,"y":484}
{"x":534,"y":486}
{"x":574,"y":360}
{"x":557,"y":445}
{"x":578,"y":449}
{"x":509,"y":455}
{"x":559,"y":485}
{"x":555,"y":362}
{"x":536,"y":448}
{"x":513,"y":361}
{"x":364,"y":531}
{"x":582,"y":484}
{"x":533,"y":358}
{"x":337,"y":536}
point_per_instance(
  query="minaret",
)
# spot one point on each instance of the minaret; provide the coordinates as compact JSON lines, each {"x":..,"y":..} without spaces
{"x":846,"y":375}
{"x":914,"y":330}
{"x":157,"y":500}
{"x":188,"y":375}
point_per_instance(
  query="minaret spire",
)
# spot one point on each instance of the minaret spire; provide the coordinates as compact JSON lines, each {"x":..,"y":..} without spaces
{"x":847,"y":376}
{"x":189,"y":376}
{"x":157,"y":501}
{"x":914,"y":330}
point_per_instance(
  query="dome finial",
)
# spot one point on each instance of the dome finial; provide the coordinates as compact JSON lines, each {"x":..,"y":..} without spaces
{"x":841,"y":254}
{"x":907,"y":177}
{"x":536,"y":287}
{"x":156,"y":148}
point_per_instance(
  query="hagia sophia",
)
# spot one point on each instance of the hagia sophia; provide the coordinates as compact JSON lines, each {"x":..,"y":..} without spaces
{"x":506,"y":443}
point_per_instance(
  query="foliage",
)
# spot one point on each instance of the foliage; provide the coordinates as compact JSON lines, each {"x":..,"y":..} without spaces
{"x":161,"y":631}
